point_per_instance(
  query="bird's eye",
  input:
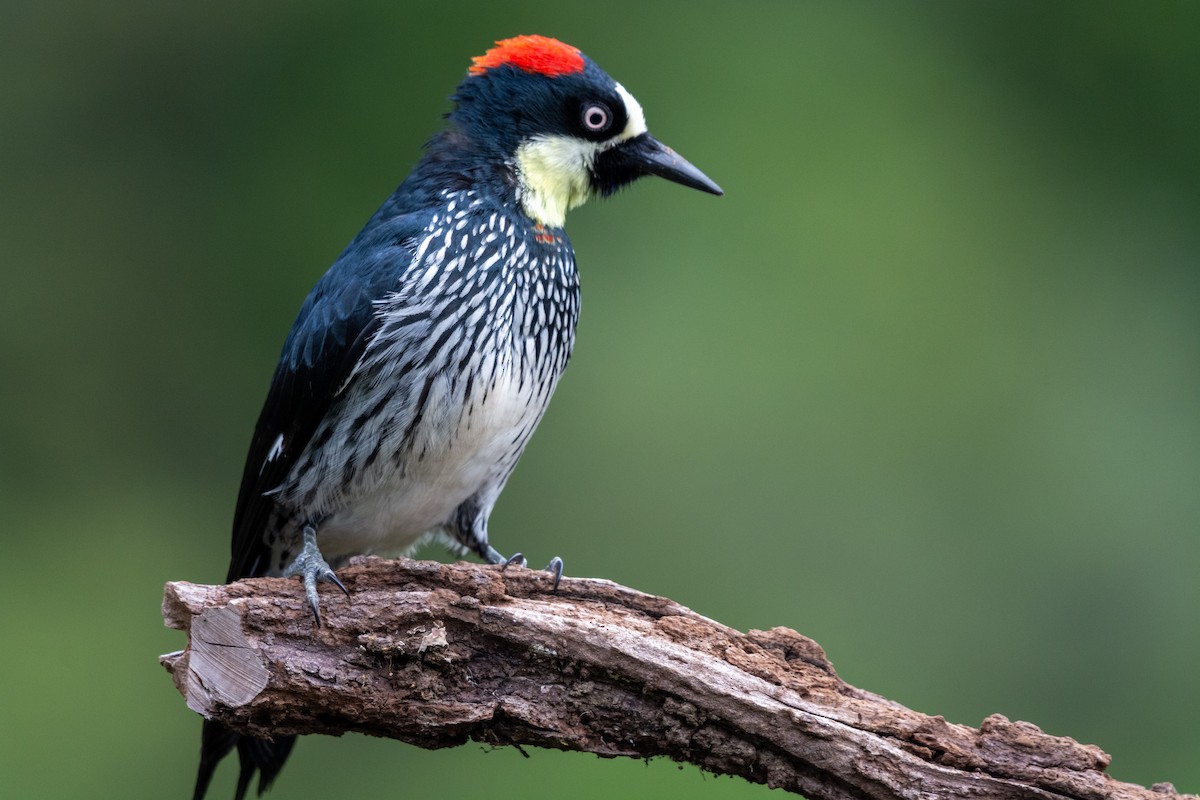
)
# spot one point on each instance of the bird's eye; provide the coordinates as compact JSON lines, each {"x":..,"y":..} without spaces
{"x":596,"y":117}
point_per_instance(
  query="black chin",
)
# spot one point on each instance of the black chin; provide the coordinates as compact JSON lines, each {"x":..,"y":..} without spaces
{"x":644,"y":155}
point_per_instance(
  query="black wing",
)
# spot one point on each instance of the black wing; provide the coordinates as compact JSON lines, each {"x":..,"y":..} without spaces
{"x":331,"y":331}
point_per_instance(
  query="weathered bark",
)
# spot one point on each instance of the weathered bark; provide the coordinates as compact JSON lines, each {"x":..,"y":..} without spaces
{"x":437,"y":654}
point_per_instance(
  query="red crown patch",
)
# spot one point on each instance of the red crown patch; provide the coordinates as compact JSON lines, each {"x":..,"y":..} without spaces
{"x":539,"y":54}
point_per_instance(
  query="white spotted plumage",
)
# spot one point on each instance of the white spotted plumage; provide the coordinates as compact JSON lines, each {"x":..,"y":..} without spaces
{"x":469,"y":349}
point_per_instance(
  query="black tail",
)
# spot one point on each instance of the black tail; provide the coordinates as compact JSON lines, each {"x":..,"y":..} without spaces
{"x":265,"y":756}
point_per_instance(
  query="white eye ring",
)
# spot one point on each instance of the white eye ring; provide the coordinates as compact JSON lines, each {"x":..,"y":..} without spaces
{"x":596,"y":117}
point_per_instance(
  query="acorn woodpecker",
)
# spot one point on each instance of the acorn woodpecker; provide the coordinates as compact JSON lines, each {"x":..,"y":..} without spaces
{"x":422,"y":361}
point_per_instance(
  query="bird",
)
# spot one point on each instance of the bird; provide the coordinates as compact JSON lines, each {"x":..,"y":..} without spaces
{"x":420,"y":364}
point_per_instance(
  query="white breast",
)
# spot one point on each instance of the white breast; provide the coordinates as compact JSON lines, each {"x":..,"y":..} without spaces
{"x":456,"y":451}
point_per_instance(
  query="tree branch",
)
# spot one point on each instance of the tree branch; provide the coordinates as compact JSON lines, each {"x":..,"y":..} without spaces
{"x":436,"y":654}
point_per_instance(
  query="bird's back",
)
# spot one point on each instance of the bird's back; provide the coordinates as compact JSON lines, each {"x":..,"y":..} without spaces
{"x":408,"y":387}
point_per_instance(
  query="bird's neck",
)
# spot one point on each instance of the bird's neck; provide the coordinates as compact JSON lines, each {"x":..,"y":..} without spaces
{"x":544,"y":178}
{"x":552,"y":177}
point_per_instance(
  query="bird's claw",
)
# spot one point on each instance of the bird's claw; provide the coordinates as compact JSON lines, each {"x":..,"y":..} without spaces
{"x":312,"y":566}
{"x":555,"y":567}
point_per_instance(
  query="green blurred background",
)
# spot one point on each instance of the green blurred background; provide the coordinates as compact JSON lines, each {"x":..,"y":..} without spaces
{"x":924,"y":385}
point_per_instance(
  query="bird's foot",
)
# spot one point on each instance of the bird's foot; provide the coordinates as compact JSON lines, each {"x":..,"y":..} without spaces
{"x":312,"y":566}
{"x":555,"y":567}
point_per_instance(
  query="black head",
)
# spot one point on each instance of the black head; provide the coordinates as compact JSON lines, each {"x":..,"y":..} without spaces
{"x":567,"y":130}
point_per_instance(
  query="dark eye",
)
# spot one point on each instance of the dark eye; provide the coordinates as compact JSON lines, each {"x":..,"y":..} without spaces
{"x":596,"y":117}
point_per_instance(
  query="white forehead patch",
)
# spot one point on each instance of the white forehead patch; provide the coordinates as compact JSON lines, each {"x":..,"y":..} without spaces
{"x":633,"y":112}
